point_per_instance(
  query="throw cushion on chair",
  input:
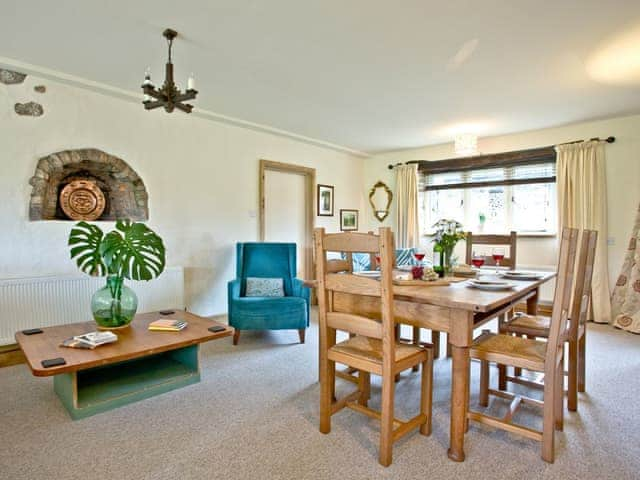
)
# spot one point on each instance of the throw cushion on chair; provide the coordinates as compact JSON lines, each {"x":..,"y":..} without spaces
{"x":264,"y":287}
{"x":404,"y":256}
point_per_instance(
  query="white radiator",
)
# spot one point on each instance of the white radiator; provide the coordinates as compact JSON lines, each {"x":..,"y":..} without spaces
{"x":46,"y":301}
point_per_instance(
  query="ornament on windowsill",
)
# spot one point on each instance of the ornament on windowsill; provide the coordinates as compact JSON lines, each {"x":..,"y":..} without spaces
{"x":482,"y":218}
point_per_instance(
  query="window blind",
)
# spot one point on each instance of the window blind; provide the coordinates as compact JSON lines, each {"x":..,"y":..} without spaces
{"x":488,"y":177}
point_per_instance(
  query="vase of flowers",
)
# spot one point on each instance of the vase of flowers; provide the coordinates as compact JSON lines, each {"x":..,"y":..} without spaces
{"x":131,"y":251}
{"x":448,"y":234}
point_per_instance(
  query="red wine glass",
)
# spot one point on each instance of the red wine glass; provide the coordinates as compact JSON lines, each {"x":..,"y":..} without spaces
{"x":498,"y":256}
{"x":419,"y":254}
{"x":477,"y":261}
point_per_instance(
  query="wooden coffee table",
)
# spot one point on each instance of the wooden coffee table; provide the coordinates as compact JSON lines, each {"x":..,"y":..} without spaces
{"x":139,"y":365}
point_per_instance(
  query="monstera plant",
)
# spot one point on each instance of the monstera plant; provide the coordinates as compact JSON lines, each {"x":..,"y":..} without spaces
{"x":131,"y":251}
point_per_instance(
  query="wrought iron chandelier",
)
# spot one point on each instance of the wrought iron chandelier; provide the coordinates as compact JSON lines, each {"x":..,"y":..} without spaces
{"x":169,"y":95}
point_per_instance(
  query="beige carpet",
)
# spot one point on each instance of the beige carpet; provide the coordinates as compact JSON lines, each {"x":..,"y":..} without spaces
{"x":255,"y":415}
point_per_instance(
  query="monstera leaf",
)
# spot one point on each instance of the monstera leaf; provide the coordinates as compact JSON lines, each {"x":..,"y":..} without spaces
{"x":85,"y":240}
{"x":133,"y":251}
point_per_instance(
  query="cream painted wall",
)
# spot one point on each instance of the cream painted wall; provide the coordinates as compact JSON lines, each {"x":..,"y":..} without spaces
{"x":202,"y":179}
{"x":622,"y":169}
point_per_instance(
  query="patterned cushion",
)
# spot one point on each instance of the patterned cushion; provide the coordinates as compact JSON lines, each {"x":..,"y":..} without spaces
{"x":404,"y":256}
{"x":264,"y":287}
{"x":361,"y":262}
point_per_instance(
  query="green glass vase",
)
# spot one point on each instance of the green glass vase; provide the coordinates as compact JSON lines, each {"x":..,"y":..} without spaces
{"x":447,"y":260}
{"x":114,"y":305}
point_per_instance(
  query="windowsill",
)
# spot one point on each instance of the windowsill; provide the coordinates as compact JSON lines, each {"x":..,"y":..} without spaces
{"x":537,"y":234}
{"x":520,"y":235}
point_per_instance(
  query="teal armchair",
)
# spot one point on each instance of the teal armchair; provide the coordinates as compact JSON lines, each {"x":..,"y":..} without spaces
{"x":268,"y":260}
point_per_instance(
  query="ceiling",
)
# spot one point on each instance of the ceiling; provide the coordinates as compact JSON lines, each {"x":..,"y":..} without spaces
{"x":370,"y":75}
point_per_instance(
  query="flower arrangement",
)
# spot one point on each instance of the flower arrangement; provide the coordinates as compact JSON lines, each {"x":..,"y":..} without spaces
{"x":448,"y":234}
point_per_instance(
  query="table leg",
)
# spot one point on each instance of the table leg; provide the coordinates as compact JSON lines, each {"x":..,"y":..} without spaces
{"x":459,"y":401}
{"x":460,"y":338}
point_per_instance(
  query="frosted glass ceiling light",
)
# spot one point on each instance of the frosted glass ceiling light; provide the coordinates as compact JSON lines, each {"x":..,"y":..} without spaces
{"x":466,"y":144}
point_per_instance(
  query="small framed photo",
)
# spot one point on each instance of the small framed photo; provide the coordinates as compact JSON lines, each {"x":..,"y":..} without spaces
{"x":325,"y":200}
{"x":348,"y":220}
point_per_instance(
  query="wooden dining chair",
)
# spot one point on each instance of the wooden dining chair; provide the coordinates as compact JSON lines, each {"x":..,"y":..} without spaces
{"x":537,"y":326}
{"x":373,"y":349}
{"x":509,"y":241}
{"x":494,"y":241}
{"x":534,"y":355}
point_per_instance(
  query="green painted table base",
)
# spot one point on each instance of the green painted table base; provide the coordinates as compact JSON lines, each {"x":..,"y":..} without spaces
{"x":96,"y":390}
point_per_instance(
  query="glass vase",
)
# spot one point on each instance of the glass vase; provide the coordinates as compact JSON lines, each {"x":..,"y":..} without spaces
{"x":447,"y":260}
{"x":114,"y":305}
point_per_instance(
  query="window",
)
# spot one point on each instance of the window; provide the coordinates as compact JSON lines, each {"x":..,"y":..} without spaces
{"x":493,"y":200}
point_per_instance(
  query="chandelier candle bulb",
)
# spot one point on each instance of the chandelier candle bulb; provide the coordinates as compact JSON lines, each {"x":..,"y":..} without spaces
{"x":147,"y":77}
{"x":191,"y":83}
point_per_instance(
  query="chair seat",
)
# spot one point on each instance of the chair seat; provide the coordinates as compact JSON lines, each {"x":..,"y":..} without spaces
{"x":366,"y":353}
{"x":535,"y":325}
{"x":507,"y":350}
{"x":269,"y":313}
{"x":265,"y":303}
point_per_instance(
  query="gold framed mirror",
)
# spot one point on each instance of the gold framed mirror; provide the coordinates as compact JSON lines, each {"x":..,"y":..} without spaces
{"x":380,"y":197}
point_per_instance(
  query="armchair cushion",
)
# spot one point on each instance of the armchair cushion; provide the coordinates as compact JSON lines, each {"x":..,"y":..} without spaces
{"x":264,"y":287}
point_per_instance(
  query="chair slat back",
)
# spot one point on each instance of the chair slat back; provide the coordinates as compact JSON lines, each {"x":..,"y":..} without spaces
{"x":495,"y":240}
{"x":335,"y":265}
{"x":341,"y":282}
{"x":357,"y":324}
{"x":561,"y":301}
{"x":351,"y":242}
{"x":330,"y":282}
{"x":584,"y":276}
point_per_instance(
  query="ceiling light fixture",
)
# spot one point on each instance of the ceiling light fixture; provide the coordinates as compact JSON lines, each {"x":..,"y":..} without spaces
{"x":169,"y":95}
{"x":466,"y":144}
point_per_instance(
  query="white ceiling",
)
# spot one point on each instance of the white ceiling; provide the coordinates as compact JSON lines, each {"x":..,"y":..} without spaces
{"x":370,"y":75}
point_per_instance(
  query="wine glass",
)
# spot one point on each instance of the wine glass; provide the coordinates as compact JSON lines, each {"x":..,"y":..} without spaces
{"x":419,"y":254}
{"x":498,"y":255}
{"x":477,"y":260}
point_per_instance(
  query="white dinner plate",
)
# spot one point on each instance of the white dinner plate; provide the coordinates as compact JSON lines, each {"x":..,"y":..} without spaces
{"x":368,"y":273}
{"x":516,"y":275}
{"x":492,"y":285}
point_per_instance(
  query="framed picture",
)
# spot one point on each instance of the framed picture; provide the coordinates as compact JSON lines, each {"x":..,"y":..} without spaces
{"x":325,"y":200}
{"x":348,"y":220}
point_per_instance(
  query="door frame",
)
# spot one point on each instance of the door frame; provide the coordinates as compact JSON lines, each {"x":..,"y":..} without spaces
{"x":309,"y":175}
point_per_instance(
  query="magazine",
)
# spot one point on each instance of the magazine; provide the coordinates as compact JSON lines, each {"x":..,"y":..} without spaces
{"x":90,"y":340}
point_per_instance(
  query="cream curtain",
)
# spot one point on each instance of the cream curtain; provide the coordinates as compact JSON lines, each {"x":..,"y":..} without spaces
{"x":582,"y":203}
{"x":407,"y":206}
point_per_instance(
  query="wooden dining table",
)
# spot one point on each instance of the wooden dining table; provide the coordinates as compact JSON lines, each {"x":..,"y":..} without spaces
{"x":458,"y":310}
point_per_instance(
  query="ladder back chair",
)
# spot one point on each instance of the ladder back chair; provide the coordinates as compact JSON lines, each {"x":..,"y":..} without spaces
{"x":537,"y":326}
{"x":493,"y":241}
{"x":509,"y":241}
{"x":373,"y":349}
{"x":535,"y":355}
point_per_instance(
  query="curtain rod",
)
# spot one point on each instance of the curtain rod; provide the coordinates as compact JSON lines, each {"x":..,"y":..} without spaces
{"x":609,"y":139}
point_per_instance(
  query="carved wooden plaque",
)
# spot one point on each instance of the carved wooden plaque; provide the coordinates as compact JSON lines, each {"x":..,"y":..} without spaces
{"x":82,"y":200}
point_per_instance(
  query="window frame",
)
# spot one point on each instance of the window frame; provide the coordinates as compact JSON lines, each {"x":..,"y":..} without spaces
{"x":507,"y":161}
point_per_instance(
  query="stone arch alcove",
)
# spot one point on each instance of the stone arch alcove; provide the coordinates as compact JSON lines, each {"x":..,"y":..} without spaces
{"x":125,"y":195}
